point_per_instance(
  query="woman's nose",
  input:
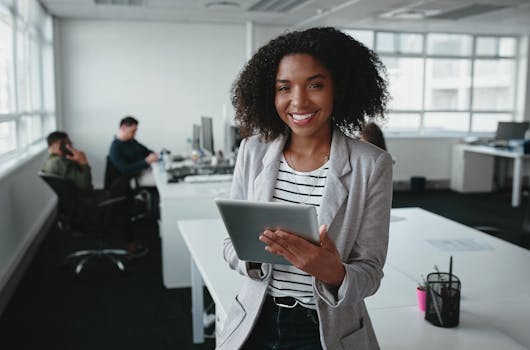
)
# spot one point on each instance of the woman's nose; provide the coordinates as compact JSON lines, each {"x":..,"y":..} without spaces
{"x":299,"y":97}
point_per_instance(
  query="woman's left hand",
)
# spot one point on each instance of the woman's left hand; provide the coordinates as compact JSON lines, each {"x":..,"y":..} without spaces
{"x":322,"y":261}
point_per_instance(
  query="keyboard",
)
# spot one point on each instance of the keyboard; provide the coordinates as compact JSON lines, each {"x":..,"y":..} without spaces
{"x":208,"y":178}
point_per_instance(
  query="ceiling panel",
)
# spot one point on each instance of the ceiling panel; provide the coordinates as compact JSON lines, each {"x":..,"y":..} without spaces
{"x":515,"y":18}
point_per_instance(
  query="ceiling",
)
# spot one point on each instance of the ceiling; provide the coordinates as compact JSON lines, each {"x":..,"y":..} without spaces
{"x":476,"y":16}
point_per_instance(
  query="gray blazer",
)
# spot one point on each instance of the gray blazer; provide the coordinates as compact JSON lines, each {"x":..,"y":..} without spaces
{"x":356,"y":208}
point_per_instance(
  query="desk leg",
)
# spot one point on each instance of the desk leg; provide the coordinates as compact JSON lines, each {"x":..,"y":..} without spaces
{"x":517,"y":179}
{"x":197,"y":304}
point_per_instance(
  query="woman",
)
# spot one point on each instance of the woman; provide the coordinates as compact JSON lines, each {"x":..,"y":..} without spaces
{"x":372,"y":133}
{"x":299,"y":95}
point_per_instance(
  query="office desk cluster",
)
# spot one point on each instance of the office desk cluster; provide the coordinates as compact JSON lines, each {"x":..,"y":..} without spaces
{"x":495,"y":302}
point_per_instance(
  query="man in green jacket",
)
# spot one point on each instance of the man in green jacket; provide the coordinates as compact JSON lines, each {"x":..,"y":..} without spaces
{"x":73,"y":166}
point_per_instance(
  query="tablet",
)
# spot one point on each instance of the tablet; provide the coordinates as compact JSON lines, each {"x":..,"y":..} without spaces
{"x":246,"y":220}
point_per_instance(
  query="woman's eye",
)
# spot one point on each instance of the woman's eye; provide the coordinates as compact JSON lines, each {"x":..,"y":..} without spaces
{"x":283,"y":88}
{"x":316,"y":85}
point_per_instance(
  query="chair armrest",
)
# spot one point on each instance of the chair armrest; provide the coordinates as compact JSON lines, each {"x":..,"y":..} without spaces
{"x":111,"y":201}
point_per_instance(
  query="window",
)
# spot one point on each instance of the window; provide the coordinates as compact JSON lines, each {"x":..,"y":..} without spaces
{"x":27,"y":99}
{"x":405,"y":82}
{"x":7,"y":90}
{"x":494,"y":82}
{"x":447,"y":84}
{"x":449,"y":44}
{"x":8,"y":140}
{"x":443,"y":83}
{"x":399,"y":43}
{"x":442,"y":122}
{"x":364,"y":36}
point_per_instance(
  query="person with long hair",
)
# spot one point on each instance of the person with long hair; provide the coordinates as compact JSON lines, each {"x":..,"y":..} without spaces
{"x":296,"y":101}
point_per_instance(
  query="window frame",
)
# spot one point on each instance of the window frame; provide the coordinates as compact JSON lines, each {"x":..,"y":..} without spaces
{"x":471,"y":58}
{"x":34,"y":25}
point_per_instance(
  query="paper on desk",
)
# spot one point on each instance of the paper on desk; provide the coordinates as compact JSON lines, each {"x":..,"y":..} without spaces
{"x":459,"y":244}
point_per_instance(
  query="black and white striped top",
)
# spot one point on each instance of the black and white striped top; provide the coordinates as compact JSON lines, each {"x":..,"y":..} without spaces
{"x":296,"y":187}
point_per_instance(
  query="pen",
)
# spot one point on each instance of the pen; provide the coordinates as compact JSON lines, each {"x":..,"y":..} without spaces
{"x":435,"y":302}
{"x":450,"y":270}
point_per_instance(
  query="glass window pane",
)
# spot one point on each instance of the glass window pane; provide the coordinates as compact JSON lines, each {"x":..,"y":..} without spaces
{"x":449,"y":44}
{"x":47,"y":28}
{"x":30,"y":129}
{"x":364,"y":36}
{"x":486,"y":46}
{"x":23,"y":9}
{"x":402,"y":122}
{"x":8,"y":139}
{"x":439,"y":122}
{"x":447,"y":84}
{"x":386,"y":42}
{"x":35,"y":76}
{"x":49,"y":124}
{"x":411,"y":43}
{"x":7,"y":87}
{"x":507,"y":46}
{"x":23,"y":70}
{"x":494,"y":84}
{"x":48,"y":82}
{"x":487,"y":122}
{"x":405,"y":77}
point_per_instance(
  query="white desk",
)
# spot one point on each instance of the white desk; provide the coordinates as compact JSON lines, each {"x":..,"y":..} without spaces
{"x":492,"y":315}
{"x":181,"y":201}
{"x":477,"y":161}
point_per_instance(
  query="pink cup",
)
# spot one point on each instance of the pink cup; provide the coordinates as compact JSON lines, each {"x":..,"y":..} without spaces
{"x":421,"y":293}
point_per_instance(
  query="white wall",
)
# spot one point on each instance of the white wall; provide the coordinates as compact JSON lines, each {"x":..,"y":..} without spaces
{"x":428,"y":157}
{"x":166,"y":74}
{"x":25,"y":204}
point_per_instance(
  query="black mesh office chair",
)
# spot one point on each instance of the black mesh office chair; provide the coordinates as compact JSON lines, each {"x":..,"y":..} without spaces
{"x":123,"y":185}
{"x":104,"y":212}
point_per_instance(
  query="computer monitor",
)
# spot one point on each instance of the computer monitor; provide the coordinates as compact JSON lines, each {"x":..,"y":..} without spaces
{"x":234,"y":138}
{"x":207,"y":134}
{"x":196,"y":139}
{"x":511,"y":130}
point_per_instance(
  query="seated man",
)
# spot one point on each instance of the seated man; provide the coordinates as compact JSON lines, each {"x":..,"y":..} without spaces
{"x":72,"y":164}
{"x":128,"y":155}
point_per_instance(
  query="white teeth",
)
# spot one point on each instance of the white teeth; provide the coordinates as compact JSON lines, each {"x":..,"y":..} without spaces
{"x":302,"y":116}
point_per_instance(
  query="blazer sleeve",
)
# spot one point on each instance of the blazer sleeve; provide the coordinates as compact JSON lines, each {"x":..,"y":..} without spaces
{"x":364,"y":266}
{"x":239,"y":191}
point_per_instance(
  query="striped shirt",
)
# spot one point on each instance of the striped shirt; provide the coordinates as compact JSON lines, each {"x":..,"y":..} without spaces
{"x":296,"y":187}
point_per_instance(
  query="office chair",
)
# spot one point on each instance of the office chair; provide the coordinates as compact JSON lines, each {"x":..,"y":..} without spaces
{"x":525,"y":241}
{"x":105,"y":211}
{"x":123,"y":185}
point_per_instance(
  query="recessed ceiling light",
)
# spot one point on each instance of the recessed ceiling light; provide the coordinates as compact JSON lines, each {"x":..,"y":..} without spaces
{"x":222,"y":4}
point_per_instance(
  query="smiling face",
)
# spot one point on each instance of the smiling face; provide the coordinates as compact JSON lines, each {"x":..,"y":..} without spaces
{"x":304,"y":95}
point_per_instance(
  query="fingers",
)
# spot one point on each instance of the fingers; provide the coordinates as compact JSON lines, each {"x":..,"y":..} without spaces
{"x":277,"y":244}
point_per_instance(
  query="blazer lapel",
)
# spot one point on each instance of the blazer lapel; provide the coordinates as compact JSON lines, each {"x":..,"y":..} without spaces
{"x":335,"y":192}
{"x":266,"y":179}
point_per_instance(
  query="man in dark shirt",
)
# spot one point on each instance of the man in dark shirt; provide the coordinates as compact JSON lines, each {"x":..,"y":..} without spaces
{"x":129,"y":156}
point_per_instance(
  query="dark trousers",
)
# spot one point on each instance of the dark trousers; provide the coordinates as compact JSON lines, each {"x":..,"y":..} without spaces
{"x":281,"y":328}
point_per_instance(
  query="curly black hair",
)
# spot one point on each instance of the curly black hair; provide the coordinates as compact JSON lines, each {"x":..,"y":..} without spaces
{"x":358,"y":75}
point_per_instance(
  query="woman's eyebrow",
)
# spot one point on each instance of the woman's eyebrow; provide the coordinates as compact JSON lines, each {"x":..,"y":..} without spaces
{"x":316,"y":76}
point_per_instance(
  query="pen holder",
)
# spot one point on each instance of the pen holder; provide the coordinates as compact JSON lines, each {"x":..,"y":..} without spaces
{"x":442,"y":307}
